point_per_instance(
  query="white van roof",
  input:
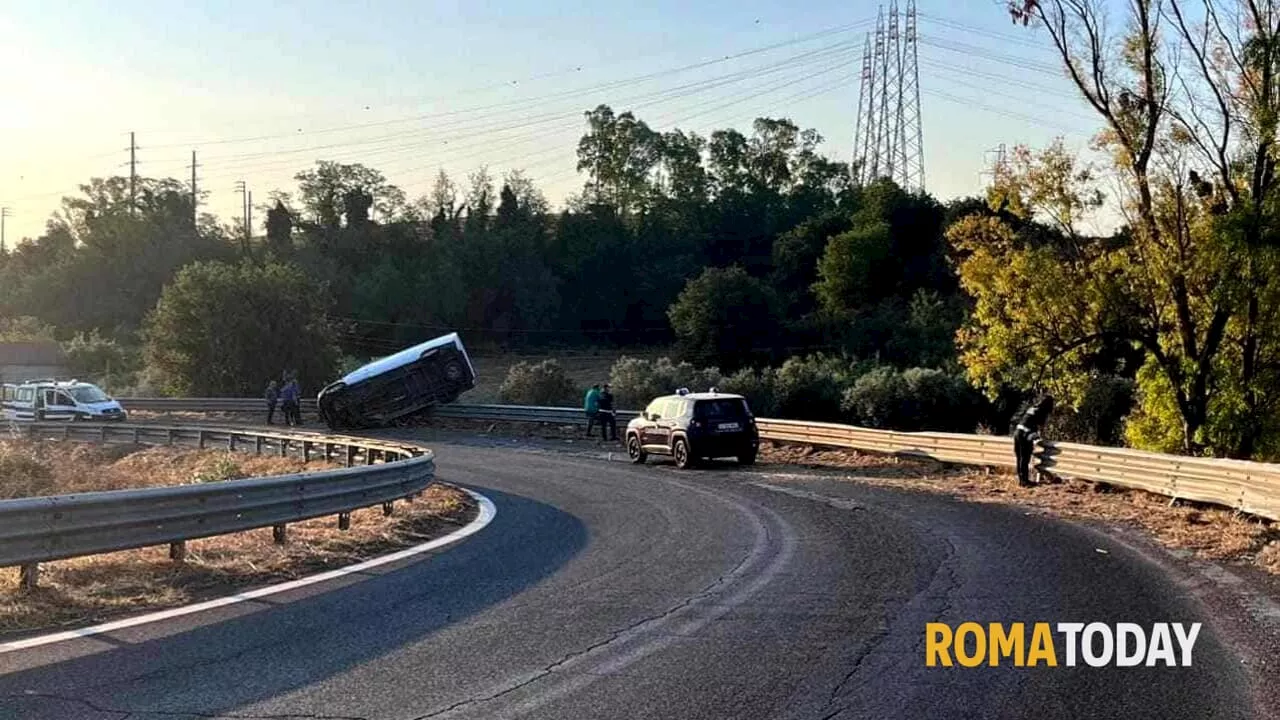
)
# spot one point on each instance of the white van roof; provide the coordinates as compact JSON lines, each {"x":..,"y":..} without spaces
{"x":406,"y":356}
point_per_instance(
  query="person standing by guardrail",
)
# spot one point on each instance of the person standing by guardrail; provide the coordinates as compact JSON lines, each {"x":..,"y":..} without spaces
{"x":604,"y":412}
{"x":272,"y":396}
{"x":289,"y":397}
{"x":1027,"y":434}
{"x":591,"y":404}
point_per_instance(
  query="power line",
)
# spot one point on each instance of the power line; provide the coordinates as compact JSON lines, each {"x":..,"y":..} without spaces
{"x":569,"y":93}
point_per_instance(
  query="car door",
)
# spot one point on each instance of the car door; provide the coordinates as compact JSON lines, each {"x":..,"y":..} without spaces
{"x":671,"y":411}
{"x":650,"y":435}
{"x":58,"y":405}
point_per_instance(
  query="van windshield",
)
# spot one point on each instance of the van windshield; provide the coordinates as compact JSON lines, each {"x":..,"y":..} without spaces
{"x":88,"y":394}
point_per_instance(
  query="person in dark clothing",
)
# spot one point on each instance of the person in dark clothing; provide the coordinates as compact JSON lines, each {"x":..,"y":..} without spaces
{"x":289,"y":397}
{"x":272,"y":396}
{"x":605,"y":414}
{"x":1027,"y":434}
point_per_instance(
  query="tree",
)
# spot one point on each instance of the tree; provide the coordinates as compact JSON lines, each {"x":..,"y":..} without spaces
{"x":324,"y":189}
{"x":1189,"y":113}
{"x":726,"y":318}
{"x":619,"y":152}
{"x":225,"y":330}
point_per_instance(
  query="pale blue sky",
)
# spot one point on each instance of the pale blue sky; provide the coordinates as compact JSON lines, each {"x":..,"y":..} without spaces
{"x":258,"y":89}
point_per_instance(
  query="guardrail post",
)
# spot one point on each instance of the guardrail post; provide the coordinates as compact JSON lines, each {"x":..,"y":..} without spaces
{"x":278,"y":534}
{"x":257,"y":444}
{"x":284,"y":447}
{"x":306,"y":451}
{"x":137,"y":436}
{"x":200,"y":438}
{"x":66,"y":432}
{"x":231,"y":442}
{"x":171,"y":436}
{"x":351,"y":455}
{"x":368,"y":456}
{"x":178,"y":551}
{"x":28,"y":575}
{"x":344,"y":521}
{"x":388,"y":507}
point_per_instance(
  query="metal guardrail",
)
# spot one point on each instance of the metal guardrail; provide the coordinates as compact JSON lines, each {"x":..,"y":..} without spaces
{"x":1249,"y":487}
{"x":40,"y":529}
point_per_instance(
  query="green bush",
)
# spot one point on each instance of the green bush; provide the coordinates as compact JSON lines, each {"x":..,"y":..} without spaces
{"x":95,"y":358}
{"x":760,"y":388}
{"x":543,"y":383}
{"x":221,"y":469}
{"x":636,"y":381}
{"x":877,"y":399}
{"x":1099,"y":418}
{"x":811,"y":388}
{"x":914,"y":399}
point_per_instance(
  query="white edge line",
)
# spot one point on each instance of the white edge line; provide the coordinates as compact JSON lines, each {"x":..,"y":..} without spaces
{"x":487,"y":513}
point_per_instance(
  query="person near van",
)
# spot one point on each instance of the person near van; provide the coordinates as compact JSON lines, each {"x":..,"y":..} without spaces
{"x":1027,"y":434}
{"x":272,"y":396}
{"x":289,"y":397}
{"x":591,"y":404}
{"x":605,"y":414}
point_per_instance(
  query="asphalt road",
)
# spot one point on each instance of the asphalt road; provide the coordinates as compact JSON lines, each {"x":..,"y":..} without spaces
{"x":603,"y":590}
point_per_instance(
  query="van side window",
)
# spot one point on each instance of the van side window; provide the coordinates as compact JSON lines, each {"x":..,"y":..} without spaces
{"x":64,"y":400}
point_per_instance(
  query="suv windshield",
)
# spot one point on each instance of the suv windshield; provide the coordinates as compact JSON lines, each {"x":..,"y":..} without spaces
{"x":727,"y":409}
{"x":88,"y":394}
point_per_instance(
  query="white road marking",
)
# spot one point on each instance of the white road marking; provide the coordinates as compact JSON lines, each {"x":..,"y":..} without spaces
{"x":487,"y":513}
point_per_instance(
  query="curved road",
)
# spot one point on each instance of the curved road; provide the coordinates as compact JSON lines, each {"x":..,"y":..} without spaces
{"x":603,"y":590}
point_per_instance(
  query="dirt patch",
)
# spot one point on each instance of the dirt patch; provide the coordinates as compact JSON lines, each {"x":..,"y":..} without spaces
{"x":1208,"y":532}
{"x":87,"y":590}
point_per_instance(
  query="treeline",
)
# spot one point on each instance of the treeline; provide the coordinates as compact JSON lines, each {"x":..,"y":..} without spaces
{"x":757,"y":260}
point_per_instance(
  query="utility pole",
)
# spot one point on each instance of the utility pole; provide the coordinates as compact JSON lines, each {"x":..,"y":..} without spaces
{"x":993,"y":165}
{"x":244,"y":205}
{"x":133,"y":174}
{"x":195,"y":195}
{"x":248,"y":214}
{"x":4,"y":213}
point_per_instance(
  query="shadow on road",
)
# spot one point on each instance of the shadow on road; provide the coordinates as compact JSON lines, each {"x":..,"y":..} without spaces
{"x":288,"y":642}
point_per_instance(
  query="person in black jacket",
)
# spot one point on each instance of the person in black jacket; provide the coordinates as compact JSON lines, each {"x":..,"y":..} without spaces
{"x":604,"y":411}
{"x":1027,"y":434}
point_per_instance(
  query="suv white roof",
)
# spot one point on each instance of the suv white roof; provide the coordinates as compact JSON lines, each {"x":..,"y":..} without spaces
{"x":707,"y":396}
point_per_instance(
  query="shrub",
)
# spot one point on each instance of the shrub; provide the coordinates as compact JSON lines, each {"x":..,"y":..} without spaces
{"x":758,"y":387}
{"x":914,"y":399}
{"x":811,"y":388}
{"x":22,"y":473}
{"x":877,"y":399}
{"x":637,"y":381}
{"x":101,"y":360}
{"x":221,"y":469}
{"x":1099,"y":417}
{"x":543,"y":383}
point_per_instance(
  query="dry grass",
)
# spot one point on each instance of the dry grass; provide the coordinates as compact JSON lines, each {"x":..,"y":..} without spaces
{"x":91,"y":589}
{"x":53,"y":467}
{"x":1209,"y":532}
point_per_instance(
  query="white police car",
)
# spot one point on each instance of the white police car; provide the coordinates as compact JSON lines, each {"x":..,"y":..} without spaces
{"x":49,"y":400}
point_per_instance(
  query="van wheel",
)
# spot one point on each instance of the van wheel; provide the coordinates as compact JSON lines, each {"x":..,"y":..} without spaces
{"x":453,"y":371}
{"x":680,"y":451}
